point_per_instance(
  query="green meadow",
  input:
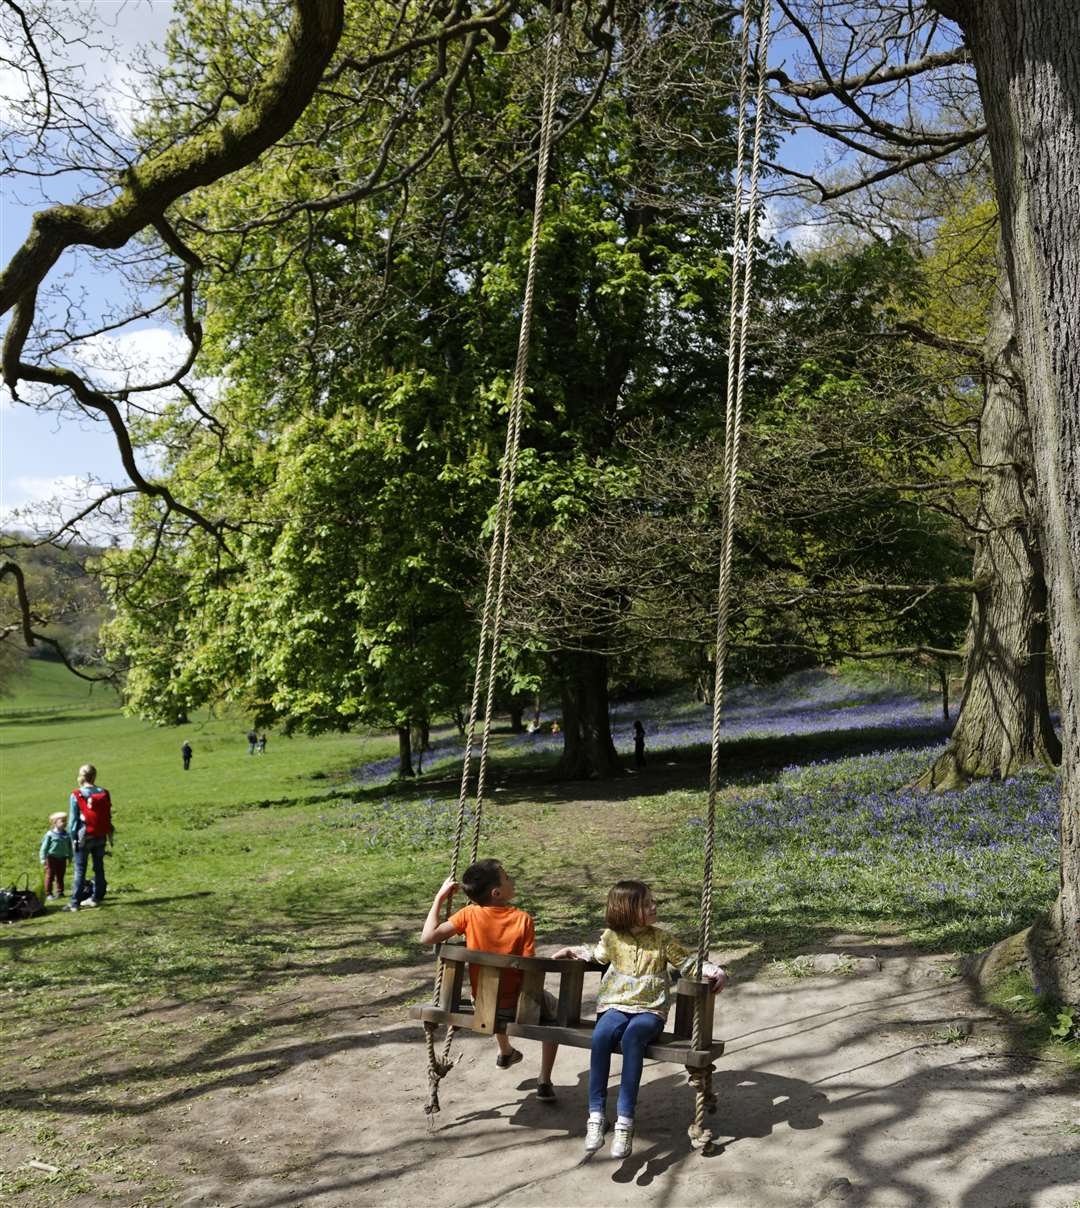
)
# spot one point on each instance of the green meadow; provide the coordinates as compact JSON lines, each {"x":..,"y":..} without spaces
{"x":214,"y":872}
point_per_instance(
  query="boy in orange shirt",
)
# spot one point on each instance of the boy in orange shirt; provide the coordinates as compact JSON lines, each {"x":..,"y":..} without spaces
{"x":490,"y":924}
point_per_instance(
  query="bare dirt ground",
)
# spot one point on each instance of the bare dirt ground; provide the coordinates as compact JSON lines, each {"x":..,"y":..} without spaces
{"x":882,"y":1089}
{"x":879,"y":1089}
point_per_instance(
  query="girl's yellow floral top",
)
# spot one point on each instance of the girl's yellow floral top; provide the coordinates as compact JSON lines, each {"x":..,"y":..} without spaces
{"x":637,"y":976}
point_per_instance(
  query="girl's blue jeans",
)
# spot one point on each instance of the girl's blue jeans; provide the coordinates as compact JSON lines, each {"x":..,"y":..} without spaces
{"x":636,"y":1033}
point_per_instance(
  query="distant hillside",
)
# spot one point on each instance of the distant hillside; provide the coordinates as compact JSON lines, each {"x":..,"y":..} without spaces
{"x":48,"y":687}
{"x":63,"y":588}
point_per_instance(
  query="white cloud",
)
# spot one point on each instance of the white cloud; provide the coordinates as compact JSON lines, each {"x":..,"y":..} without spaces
{"x":93,"y":47}
{"x":139,"y":357}
{"x":124,"y":360}
{"x":41,"y":505}
{"x":782,"y":224}
{"x":27,"y":490}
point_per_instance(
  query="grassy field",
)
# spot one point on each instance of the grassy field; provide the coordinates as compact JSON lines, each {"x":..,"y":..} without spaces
{"x":200,"y":856}
{"x":213,"y":862}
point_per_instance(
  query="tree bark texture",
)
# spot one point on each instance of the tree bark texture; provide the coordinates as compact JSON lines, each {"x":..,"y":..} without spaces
{"x":1004,"y":721}
{"x":1027,"y":59}
{"x":404,"y":741}
{"x":588,"y":749}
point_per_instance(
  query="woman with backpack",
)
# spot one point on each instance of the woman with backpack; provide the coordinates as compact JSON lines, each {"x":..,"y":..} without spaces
{"x":90,"y":827}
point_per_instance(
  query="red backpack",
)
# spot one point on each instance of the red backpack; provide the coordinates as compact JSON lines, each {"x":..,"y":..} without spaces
{"x":96,"y":811}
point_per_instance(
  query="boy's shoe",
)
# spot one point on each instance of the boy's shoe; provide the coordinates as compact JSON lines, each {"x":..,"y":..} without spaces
{"x":89,"y":902}
{"x":511,"y":1058}
{"x":52,"y":896}
{"x":623,"y":1145}
{"x":73,"y":909}
{"x":594,"y":1134}
{"x":545,"y":1092}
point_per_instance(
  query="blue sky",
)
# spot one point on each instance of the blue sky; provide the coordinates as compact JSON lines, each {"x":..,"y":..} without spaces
{"x":43,"y":455}
{"x":39,"y":451}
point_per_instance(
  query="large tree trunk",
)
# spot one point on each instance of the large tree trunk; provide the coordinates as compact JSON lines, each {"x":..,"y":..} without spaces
{"x":1004,"y":720}
{"x":404,"y":742}
{"x":1025,"y":55}
{"x":588,"y":749}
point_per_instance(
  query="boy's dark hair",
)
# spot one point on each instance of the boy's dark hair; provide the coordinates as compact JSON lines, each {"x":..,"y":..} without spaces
{"x":480,"y":879}
{"x":626,"y":905}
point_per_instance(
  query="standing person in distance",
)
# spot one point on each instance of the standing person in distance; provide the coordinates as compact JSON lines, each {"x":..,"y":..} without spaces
{"x":185,"y":751}
{"x":253,"y":738}
{"x":90,"y":826}
{"x":262,"y":744}
{"x":639,"y":744}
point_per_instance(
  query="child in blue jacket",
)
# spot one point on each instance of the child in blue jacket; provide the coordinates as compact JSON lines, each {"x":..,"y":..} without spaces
{"x":55,"y":852}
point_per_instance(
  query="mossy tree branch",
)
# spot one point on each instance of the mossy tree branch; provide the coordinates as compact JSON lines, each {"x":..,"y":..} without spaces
{"x":151,"y":186}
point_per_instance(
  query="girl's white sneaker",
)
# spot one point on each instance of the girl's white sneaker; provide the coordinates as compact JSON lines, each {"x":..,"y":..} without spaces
{"x":623,"y":1145}
{"x":594,"y":1134}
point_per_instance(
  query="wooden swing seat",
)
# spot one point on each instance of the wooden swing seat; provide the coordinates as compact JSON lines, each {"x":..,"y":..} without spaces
{"x":568,"y":1027}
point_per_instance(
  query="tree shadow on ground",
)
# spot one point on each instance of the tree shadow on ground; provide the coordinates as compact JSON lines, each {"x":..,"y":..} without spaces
{"x":215,"y":1062}
{"x":674,"y":768}
{"x":861,"y":1102}
{"x":755,"y":1100}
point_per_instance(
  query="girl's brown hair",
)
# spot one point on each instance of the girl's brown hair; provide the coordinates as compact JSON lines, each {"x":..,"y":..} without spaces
{"x":626,"y":905}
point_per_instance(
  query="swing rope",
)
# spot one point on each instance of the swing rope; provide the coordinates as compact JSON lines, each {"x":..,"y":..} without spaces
{"x":439,"y":1065}
{"x":741,"y":275}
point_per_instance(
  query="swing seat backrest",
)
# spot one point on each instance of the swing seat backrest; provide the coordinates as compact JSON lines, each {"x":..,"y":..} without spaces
{"x":691,"y":996}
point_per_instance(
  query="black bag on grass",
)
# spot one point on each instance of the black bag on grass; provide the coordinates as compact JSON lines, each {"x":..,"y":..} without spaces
{"x":23,"y":903}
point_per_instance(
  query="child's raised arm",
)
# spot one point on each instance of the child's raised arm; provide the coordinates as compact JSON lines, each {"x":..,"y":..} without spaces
{"x":435,"y":932}
{"x":585,"y":952}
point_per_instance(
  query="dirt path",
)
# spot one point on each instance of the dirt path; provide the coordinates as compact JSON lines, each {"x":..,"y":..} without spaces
{"x":857,"y":1090}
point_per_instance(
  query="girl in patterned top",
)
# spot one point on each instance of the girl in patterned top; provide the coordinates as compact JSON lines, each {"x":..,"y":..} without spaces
{"x":633,"y":1002}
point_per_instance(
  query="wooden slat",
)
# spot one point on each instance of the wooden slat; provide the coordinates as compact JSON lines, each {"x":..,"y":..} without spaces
{"x":501,"y":960}
{"x":464,"y":1018}
{"x":689,"y":991}
{"x":571,"y":984}
{"x":530,"y":996}
{"x":695,"y":987}
{"x":707,"y":1007}
{"x":450,"y":990}
{"x":485,"y":998}
{"x":666,"y":1048}
{"x":684,"y":1016}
